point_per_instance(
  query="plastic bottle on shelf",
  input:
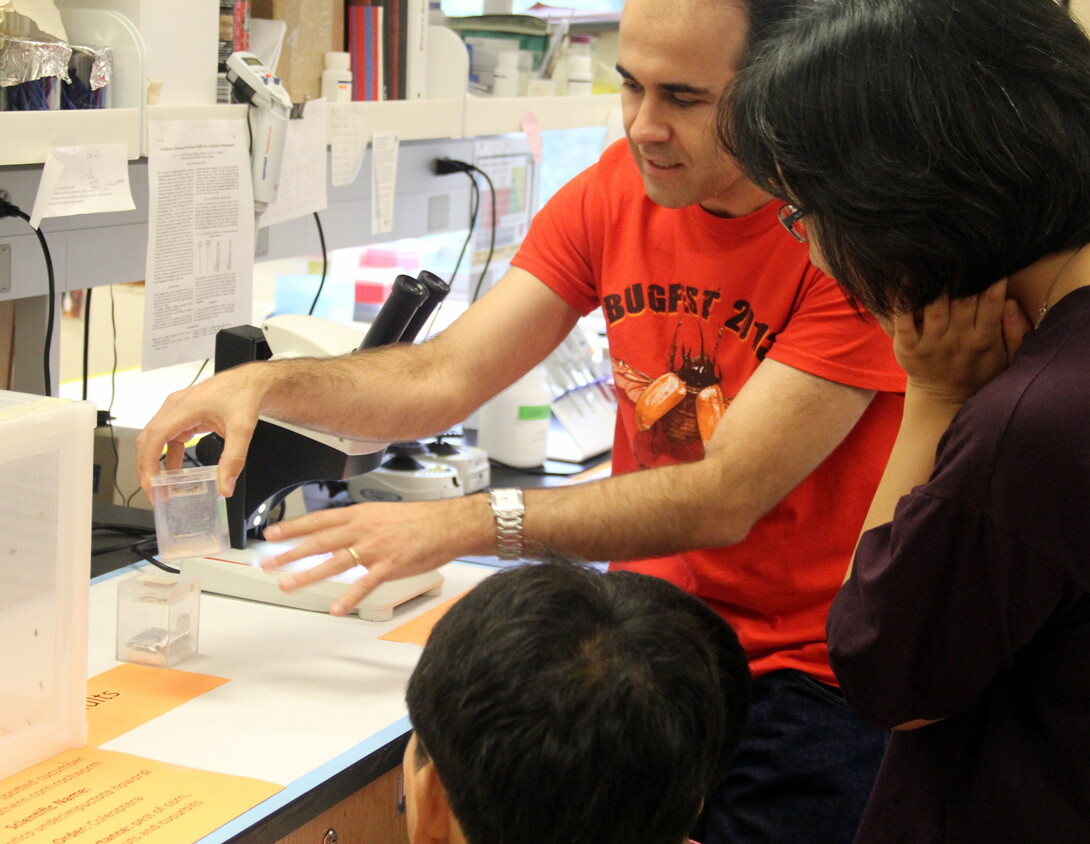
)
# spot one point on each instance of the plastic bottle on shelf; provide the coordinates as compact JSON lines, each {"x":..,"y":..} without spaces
{"x":337,"y":78}
{"x":580,"y":76}
{"x":514,"y":426}
{"x":505,"y":79}
{"x":579,"y":67}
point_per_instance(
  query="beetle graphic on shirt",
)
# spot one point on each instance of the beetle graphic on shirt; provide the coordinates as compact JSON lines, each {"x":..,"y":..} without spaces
{"x":683,"y":404}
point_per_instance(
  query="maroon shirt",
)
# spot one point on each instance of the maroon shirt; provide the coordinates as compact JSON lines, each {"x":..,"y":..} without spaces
{"x":972,"y":606}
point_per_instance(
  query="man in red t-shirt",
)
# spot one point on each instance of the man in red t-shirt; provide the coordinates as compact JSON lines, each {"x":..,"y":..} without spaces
{"x":756,"y":412}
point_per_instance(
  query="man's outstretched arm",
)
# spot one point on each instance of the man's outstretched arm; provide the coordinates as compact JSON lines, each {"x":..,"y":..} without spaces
{"x":778,"y":429}
{"x":387,"y":394}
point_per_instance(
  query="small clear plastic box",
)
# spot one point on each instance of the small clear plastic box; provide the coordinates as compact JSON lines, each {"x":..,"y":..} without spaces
{"x":158,"y":619}
{"x":190,"y":515}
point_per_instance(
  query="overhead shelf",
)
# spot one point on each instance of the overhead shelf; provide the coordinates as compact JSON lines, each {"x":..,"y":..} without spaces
{"x":412,"y":120}
{"x":469,"y":117}
{"x":29,"y":135}
{"x":499,"y":115}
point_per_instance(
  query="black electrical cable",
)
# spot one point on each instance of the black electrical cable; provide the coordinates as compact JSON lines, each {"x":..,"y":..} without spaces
{"x":52,"y":304}
{"x":492,"y":237}
{"x":127,"y":530}
{"x":325,"y":263}
{"x":86,"y":338}
{"x":121,"y":546}
{"x":474,"y":209}
{"x":143,"y":551}
{"x":7,"y":209}
{"x":452,"y":165}
{"x":113,"y":390}
{"x":544,"y":473}
{"x":199,"y":371}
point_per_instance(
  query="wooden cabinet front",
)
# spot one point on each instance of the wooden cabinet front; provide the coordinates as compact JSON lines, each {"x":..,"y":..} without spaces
{"x":373,"y":815}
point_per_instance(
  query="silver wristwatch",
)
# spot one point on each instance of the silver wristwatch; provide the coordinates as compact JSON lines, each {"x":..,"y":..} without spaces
{"x":508,"y":510}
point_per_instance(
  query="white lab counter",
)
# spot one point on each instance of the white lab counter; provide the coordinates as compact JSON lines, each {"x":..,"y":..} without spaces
{"x":310,"y":697}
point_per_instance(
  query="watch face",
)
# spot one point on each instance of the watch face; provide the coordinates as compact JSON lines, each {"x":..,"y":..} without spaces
{"x":507,"y":499}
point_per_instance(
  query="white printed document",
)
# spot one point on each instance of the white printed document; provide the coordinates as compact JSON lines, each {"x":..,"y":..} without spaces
{"x":302,"y":187}
{"x":83,"y":180}
{"x":200,"y":237}
{"x":348,"y":139}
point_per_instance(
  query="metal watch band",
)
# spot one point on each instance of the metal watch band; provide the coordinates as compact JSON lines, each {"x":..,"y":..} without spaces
{"x":508,"y":510}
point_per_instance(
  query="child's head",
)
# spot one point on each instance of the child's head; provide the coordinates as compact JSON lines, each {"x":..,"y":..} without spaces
{"x":555,"y":703}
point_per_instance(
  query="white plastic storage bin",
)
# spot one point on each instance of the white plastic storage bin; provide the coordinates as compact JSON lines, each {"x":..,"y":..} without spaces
{"x":46,"y":448}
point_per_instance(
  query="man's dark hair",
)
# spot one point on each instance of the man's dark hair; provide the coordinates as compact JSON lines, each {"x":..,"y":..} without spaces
{"x":561,"y":705}
{"x":935,"y":146}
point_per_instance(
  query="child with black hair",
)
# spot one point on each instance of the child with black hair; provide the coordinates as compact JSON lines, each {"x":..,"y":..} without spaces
{"x":556,"y":704}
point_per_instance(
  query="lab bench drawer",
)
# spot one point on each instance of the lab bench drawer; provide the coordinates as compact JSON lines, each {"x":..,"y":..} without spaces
{"x":373,"y":815}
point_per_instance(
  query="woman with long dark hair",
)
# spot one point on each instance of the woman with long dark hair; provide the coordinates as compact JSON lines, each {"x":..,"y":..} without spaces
{"x":935,"y":154}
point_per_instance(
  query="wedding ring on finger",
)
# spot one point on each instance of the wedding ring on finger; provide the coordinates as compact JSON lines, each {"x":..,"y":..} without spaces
{"x":355,"y":556}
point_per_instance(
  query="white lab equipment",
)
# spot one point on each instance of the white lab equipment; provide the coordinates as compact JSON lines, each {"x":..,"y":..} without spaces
{"x":282,"y":456}
{"x":513,"y":427}
{"x":269,"y":112}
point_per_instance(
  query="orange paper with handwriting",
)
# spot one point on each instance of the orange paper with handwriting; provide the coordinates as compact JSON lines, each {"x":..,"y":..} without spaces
{"x":90,"y":796}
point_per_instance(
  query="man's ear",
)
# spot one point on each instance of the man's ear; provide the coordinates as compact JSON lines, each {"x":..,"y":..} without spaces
{"x":435,"y":824}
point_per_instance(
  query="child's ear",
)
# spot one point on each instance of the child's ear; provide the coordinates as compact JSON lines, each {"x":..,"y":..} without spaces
{"x":435,"y":824}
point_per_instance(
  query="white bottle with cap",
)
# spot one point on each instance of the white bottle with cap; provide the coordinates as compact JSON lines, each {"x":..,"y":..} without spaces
{"x":337,"y":78}
{"x":579,"y":67}
{"x":505,"y":79}
{"x":580,"y":76}
{"x":514,"y":426}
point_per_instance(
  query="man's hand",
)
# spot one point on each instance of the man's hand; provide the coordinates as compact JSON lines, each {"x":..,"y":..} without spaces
{"x":228,"y":404}
{"x":390,"y":541}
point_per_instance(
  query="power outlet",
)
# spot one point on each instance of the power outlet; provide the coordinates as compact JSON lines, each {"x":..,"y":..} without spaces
{"x":5,"y":268}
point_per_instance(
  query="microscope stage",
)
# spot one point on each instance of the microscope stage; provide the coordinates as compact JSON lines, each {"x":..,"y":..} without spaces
{"x":238,"y":573}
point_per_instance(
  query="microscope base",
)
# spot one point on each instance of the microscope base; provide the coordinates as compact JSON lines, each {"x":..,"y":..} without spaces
{"x":237,"y":573}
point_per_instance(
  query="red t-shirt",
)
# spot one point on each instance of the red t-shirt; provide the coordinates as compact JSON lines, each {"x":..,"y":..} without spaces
{"x":708,"y":298}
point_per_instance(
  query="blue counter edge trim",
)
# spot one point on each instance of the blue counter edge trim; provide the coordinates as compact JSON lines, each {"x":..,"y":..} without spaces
{"x":297,"y":788}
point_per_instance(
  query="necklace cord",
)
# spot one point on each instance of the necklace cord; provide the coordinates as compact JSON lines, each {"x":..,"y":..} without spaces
{"x":1048,"y":293}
